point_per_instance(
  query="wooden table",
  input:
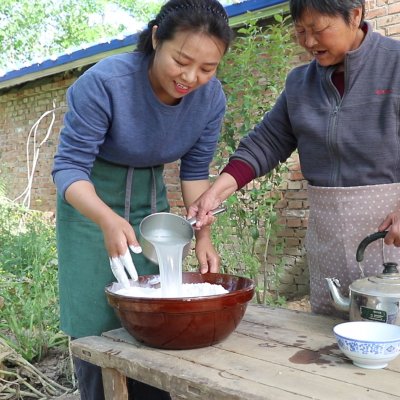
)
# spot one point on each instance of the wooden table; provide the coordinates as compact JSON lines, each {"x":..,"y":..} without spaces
{"x":274,"y":354}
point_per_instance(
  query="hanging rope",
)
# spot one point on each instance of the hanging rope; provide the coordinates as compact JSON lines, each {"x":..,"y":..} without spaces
{"x":32,"y":145}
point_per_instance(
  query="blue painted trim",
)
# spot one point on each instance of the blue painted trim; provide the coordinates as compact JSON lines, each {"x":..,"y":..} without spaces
{"x":75,"y":55}
{"x":250,"y":5}
{"x":232,"y":11}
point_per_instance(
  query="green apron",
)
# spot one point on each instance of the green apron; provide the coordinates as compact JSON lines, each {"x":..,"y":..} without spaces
{"x":84,"y":267}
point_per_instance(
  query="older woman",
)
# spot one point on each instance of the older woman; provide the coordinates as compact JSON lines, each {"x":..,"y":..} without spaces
{"x":341,"y":112}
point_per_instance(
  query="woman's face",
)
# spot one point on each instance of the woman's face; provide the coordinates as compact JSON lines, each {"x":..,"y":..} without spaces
{"x":183,"y":64}
{"x":329,"y":38}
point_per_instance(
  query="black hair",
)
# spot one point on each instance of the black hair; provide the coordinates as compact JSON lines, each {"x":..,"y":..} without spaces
{"x":207,"y":16}
{"x":327,"y":7}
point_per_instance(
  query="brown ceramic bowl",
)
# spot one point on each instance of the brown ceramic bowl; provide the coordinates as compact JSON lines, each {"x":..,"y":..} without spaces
{"x":184,"y":323}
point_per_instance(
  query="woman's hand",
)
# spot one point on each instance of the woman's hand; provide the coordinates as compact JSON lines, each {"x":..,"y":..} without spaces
{"x":118,"y":234}
{"x":201,"y":207}
{"x":208,"y":198}
{"x":392,"y":225}
{"x":212,"y":198}
{"x":209,"y":260}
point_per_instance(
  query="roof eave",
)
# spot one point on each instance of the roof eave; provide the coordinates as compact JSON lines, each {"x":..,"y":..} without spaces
{"x":239,"y":14}
{"x":274,"y":7}
{"x":77,"y":59}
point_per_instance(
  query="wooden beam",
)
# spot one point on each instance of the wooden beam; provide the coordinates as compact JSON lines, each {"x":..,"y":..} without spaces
{"x":114,"y":384}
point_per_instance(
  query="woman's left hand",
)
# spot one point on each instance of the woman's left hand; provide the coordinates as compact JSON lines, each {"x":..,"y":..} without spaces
{"x":207,"y":256}
{"x":392,"y":225}
{"x":209,"y":260}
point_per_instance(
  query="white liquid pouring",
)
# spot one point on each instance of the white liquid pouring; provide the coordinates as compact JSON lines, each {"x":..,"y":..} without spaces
{"x":169,"y":252}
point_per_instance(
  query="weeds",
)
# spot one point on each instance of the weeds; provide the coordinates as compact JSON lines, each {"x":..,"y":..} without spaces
{"x":28,"y":281}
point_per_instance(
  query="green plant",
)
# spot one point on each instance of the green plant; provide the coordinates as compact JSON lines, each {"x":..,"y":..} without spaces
{"x":253,"y":74}
{"x":28,"y":281}
{"x":32,"y":30}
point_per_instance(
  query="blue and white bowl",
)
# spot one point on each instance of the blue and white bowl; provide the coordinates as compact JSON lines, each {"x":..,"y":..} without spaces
{"x":368,"y":344}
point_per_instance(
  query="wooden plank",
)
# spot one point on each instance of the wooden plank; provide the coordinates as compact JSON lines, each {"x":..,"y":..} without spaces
{"x":289,"y":320}
{"x":114,"y":384}
{"x":314,"y":379}
{"x":299,"y":329}
{"x":189,"y":380}
{"x":298,"y":342}
{"x":274,"y":353}
{"x":254,"y":377}
{"x":326,"y":362}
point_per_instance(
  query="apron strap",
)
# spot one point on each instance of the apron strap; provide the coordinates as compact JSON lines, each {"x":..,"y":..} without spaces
{"x":153,"y":193}
{"x":128,"y":192}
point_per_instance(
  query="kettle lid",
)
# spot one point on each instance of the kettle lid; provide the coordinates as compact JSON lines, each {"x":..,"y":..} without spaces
{"x":386,"y":284}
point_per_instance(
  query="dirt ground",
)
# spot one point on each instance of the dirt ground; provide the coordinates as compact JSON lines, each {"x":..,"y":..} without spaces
{"x":300,"y":304}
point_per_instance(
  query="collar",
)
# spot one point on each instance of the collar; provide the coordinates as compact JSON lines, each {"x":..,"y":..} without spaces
{"x":355,"y":59}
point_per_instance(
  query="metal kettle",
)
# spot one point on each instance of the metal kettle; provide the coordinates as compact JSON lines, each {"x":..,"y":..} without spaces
{"x":375,"y":298}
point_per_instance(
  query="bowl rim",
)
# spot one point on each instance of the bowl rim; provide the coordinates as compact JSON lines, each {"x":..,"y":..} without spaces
{"x":337,"y":327}
{"x":242,"y":291}
{"x":368,"y":341}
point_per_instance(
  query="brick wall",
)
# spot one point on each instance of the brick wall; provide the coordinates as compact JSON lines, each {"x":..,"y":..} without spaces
{"x":22,"y":106}
{"x":385,"y":16}
{"x":20,"y":109}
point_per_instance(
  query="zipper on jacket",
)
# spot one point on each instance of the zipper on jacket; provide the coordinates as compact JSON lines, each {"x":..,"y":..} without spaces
{"x":332,"y":145}
{"x":332,"y":129}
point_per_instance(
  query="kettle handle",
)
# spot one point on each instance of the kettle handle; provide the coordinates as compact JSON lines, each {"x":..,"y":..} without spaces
{"x":365,"y":242}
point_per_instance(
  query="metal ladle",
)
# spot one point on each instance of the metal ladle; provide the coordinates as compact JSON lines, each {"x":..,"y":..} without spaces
{"x":167,"y":226}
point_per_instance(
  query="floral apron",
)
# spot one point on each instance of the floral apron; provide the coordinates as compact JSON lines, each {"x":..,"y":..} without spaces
{"x":340,"y":218}
{"x":84,"y":268}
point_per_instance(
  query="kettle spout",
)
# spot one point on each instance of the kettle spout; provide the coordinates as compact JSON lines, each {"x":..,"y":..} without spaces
{"x":340,"y":302}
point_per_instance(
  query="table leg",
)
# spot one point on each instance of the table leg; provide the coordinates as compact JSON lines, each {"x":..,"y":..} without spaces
{"x":114,"y":384}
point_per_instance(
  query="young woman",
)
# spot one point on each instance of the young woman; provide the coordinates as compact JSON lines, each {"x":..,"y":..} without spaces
{"x":341,"y":113}
{"x":127,"y":116}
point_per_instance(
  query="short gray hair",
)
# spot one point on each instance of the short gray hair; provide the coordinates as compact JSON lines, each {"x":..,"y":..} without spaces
{"x":327,"y":7}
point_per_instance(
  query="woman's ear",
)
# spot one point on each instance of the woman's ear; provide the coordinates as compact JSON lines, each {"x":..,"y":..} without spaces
{"x":153,"y":36}
{"x":357,"y":15}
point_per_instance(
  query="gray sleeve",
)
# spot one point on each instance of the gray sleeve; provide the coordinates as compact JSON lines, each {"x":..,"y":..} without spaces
{"x":85,"y":126}
{"x":270,"y":142}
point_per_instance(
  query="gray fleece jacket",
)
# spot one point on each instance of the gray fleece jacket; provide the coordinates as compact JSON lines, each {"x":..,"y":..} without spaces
{"x":342,"y":141}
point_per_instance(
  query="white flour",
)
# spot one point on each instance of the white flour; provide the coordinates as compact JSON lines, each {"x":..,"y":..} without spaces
{"x":169,"y":246}
{"x":186,"y":290}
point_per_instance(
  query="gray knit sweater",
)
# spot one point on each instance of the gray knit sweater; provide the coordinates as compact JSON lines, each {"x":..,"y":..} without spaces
{"x":114,"y":114}
{"x":348,"y":141}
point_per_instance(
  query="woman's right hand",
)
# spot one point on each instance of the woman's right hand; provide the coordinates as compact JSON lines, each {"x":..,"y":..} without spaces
{"x":201,"y":207}
{"x":212,"y":198}
{"x":392,"y":225}
{"x":118,"y":234}
{"x":119,"y":237}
